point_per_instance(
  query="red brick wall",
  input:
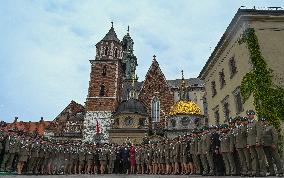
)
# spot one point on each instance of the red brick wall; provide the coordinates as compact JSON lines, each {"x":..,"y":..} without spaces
{"x":155,"y":84}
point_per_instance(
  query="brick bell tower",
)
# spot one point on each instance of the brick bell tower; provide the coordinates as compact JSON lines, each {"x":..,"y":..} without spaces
{"x":104,"y":87}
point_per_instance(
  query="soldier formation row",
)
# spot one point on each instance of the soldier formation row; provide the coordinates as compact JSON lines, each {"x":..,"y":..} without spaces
{"x":244,"y":147}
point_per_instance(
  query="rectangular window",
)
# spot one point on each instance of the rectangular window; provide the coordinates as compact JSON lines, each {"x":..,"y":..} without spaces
{"x":226,"y":110}
{"x":213,"y":88}
{"x":232,"y":66}
{"x":217,"y":117}
{"x":238,"y":100}
{"x":222,"y":79}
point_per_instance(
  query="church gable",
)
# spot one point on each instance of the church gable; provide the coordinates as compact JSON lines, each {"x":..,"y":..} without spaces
{"x":155,"y":85}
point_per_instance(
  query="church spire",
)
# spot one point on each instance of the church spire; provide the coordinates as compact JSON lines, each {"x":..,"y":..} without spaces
{"x":111,"y":35}
{"x":183,"y":89}
{"x":129,"y":60}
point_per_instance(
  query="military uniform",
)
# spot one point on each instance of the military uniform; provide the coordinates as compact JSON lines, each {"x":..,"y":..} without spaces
{"x":243,"y":151}
{"x":256,"y":152}
{"x":227,"y":149}
{"x":35,"y":148}
{"x":270,"y":139}
{"x":82,"y":159}
{"x":11,"y":148}
{"x":112,"y":158}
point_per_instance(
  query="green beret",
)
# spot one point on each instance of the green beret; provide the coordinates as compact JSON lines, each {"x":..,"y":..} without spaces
{"x":237,"y":118}
{"x":231,"y":120}
{"x":262,"y":118}
{"x":250,"y":112}
{"x":204,"y":128}
{"x":243,"y":119}
{"x":224,"y":126}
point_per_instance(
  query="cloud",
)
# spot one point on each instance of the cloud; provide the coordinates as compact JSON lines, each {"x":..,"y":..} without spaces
{"x":46,"y":46}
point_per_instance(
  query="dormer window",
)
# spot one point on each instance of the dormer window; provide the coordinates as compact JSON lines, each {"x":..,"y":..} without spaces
{"x":104,"y":71}
{"x":102,"y":90}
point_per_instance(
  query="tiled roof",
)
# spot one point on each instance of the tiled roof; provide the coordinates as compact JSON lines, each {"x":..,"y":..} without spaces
{"x":29,"y":127}
{"x":192,"y":82}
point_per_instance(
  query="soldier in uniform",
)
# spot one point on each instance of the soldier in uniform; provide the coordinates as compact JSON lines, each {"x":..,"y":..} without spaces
{"x":270,"y":139}
{"x":14,"y":150}
{"x":103,"y":159}
{"x":215,"y":147}
{"x":193,"y":151}
{"x":2,"y":140}
{"x":82,"y":159}
{"x":162,"y":158}
{"x":24,"y":153}
{"x":184,"y":168}
{"x":145,"y":160}
{"x":34,"y":157}
{"x":177,"y":155}
{"x":155,"y":159}
{"x":167,"y":156}
{"x":231,"y":133}
{"x":227,"y":150}
{"x":172,"y":154}
{"x":150,"y":158}
{"x":255,"y":146}
{"x":112,"y":158}
{"x":241,"y":145}
{"x":89,"y":159}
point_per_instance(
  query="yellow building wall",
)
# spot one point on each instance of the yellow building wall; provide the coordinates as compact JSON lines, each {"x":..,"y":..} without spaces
{"x":272,"y":48}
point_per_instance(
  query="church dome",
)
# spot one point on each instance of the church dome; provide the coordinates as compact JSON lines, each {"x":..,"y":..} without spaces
{"x":131,"y":106}
{"x":185,"y":108}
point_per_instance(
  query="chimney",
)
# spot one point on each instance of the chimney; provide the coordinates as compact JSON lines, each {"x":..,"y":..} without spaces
{"x":16,"y":119}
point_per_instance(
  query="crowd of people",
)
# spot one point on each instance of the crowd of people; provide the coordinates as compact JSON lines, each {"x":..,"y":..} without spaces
{"x":244,"y":147}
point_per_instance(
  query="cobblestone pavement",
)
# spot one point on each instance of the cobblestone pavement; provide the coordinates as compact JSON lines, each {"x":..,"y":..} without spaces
{"x":113,"y":176}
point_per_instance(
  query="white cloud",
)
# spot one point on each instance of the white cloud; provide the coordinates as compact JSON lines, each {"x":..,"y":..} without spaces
{"x":46,"y":46}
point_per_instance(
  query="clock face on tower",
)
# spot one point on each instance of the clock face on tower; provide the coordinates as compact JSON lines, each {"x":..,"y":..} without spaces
{"x":128,"y":121}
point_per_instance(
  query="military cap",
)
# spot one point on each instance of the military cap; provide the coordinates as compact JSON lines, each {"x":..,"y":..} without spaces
{"x":224,"y":126}
{"x":238,"y":118}
{"x":231,"y":120}
{"x":204,"y":128}
{"x":262,"y":118}
{"x":243,"y":119}
{"x":250,"y":112}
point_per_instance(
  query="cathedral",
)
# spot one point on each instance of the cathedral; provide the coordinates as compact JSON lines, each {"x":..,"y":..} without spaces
{"x":119,"y":107}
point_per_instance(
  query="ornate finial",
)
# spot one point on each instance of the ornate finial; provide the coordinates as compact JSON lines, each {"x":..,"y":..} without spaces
{"x":182,"y":74}
{"x":128,"y":29}
{"x":154,"y":57}
{"x":111,"y":24}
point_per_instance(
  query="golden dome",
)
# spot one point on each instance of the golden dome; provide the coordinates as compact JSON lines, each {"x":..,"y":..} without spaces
{"x":185,"y":107}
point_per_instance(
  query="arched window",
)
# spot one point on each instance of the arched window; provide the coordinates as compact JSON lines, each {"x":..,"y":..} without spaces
{"x":106,"y":50}
{"x":102,"y":90}
{"x":115,"y":52}
{"x":104,"y":71}
{"x":155,"y":110}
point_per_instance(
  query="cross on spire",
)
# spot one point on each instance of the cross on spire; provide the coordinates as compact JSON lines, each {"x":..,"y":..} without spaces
{"x":112,"y":24}
{"x":154,"y":57}
{"x":128,"y":29}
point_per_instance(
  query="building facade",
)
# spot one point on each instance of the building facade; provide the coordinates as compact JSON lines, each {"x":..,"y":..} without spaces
{"x":230,"y":62}
{"x":113,"y":84}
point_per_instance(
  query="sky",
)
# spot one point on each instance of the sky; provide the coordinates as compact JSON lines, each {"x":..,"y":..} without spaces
{"x":45,"y":46}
